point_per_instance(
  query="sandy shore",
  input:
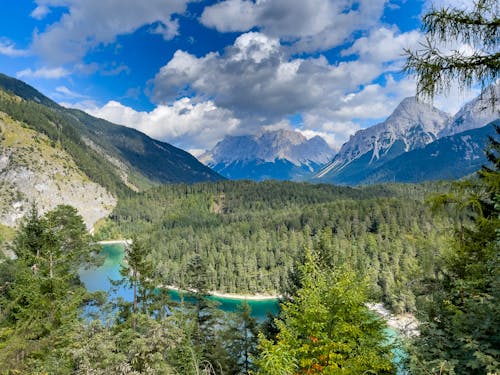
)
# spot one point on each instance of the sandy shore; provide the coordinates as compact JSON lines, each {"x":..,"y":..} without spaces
{"x":249,"y":297}
{"x":115,"y":242}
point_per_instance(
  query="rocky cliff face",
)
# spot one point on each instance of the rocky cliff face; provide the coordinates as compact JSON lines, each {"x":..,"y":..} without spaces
{"x":35,"y":169}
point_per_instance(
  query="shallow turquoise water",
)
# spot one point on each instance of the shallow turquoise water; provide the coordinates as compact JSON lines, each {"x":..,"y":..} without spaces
{"x":99,"y":279}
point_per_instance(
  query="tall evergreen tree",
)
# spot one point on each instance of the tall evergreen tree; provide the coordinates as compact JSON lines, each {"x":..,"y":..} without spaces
{"x":240,"y":338}
{"x":40,"y":303}
{"x":326,"y":329}
{"x":460,"y":333}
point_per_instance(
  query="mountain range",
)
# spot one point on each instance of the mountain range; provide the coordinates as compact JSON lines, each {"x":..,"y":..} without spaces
{"x":417,"y":142}
{"x":278,"y":154}
{"x":53,"y":155}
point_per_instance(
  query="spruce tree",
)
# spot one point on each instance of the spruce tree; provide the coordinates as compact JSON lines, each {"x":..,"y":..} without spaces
{"x":460,"y":330}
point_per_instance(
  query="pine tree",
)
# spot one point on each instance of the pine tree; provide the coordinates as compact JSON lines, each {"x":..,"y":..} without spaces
{"x":240,"y":337}
{"x":40,"y":304}
{"x":460,"y":333}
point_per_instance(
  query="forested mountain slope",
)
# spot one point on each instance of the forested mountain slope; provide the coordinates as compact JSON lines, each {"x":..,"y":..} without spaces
{"x":114,"y":156}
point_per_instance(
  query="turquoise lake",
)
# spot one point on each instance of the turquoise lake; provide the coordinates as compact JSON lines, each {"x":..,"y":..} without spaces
{"x":99,"y":279}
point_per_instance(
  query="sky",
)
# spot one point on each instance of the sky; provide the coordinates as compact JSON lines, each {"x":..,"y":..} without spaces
{"x":189,"y":72}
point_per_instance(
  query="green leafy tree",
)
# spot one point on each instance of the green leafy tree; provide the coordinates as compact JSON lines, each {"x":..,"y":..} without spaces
{"x":479,"y":28}
{"x":326,"y":329}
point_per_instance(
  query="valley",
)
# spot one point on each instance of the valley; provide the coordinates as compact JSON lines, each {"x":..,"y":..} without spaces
{"x":233,"y":244}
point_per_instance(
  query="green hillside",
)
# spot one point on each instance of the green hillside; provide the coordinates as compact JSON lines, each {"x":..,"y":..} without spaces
{"x":118,"y":158}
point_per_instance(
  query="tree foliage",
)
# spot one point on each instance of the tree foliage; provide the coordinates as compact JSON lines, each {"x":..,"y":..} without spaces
{"x":447,"y":28}
{"x":41,"y":295}
{"x":249,"y":235}
{"x":326,"y":329}
{"x":461,"y":315}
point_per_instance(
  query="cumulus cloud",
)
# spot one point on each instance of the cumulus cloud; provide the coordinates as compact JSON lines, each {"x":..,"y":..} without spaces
{"x":44,"y":72}
{"x":309,"y":25}
{"x":384,"y":44}
{"x":255,"y":77}
{"x":184,"y":123}
{"x":89,"y":23}
{"x":257,"y":81}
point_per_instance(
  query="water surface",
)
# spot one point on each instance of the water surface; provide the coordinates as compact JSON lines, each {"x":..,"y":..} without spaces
{"x":99,"y":279}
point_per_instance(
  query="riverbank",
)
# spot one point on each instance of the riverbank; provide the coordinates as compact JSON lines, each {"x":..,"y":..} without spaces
{"x":233,"y":296}
{"x":406,"y":324}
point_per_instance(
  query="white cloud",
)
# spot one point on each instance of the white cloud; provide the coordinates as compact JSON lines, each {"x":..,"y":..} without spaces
{"x":260,"y":85}
{"x":230,"y":15}
{"x":453,"y":100}
{"x":89,"y":23}
{"x":40,"y":12}
{"x":255,"y":78}
{"x":8,"y":48}
{"x":184,"y":123}
{"x":310,"y":25}
{"x":328,"y":137}
{"x":83,"y":105}
{"x":44,"y":72}
{"x":384,"y":44}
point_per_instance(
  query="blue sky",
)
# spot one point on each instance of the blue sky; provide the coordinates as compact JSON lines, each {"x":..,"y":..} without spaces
{"x":191,"y":72}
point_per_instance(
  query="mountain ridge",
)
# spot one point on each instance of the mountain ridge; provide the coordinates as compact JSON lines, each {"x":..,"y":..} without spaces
{"x":277,"y":154}
{"x":412,"y":126}
{"x":117,"y":159}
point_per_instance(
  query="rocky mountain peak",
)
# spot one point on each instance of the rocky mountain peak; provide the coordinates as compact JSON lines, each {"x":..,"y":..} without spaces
{"x":270,"y":152}
{"x":269,"y":146}
{"x":475,"y":114}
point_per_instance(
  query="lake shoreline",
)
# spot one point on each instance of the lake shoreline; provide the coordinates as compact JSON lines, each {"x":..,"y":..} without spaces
{"x":405,"y":324}
{"x":114,"y":242}
{"x":232,"y":296}
{"x":214,"y":293}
